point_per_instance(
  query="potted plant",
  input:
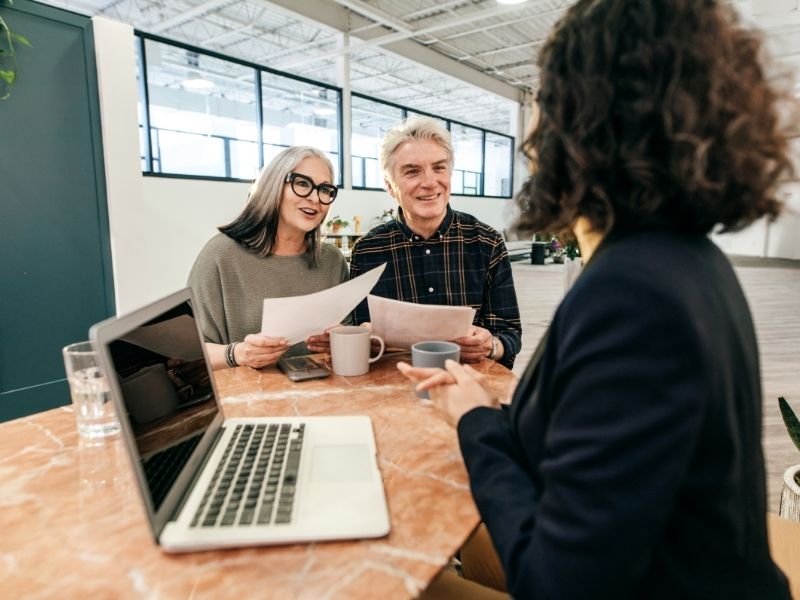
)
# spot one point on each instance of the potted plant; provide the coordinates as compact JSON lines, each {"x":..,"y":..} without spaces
{"x":790,"y":495}
{"x":337,"y":223}
{"x":8,"y":55}
{"x":571,"y":257}
{"x":386,"y":216}
{"x":556,"y":250}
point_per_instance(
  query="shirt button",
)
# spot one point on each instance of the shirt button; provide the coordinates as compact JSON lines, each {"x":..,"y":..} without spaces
{"x":427,"y":251}
{"x":430,"y":290}
{"x":416,"y":237}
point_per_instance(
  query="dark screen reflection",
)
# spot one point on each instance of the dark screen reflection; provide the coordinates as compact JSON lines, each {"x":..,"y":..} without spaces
{"x":167,"y":392}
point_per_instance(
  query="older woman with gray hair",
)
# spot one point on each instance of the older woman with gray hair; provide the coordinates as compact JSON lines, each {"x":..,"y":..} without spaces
{"x":272,"y":249}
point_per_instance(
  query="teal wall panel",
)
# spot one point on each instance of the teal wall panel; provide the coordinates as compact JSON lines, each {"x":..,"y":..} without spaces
{"x":55,"y":272}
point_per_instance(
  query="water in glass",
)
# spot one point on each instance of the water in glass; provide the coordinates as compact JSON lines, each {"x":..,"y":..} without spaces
{"x":94,"y":411}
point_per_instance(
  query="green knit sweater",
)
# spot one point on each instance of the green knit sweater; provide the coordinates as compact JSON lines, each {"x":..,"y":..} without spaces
{"x":230,"y":283}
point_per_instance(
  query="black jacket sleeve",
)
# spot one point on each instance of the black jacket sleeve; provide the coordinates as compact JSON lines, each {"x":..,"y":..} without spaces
{"x":575,"y":488}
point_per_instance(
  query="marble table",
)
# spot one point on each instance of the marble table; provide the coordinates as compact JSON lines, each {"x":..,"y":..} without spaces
{"x":71,"y":523}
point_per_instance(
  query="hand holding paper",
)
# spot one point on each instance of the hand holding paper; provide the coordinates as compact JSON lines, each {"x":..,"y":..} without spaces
{"x":402,"y":324}
{"x":297,"y":317}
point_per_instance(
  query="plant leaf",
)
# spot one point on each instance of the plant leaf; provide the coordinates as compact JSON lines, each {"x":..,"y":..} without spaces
{"x":8,"y":76}
{"x":790,"y":420}
{"x":21,"y":39}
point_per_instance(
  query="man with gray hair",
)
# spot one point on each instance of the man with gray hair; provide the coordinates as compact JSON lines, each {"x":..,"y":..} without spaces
{"x":436,"y":255}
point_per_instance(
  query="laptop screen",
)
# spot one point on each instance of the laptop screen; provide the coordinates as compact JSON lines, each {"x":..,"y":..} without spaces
{"x":167,"y":393}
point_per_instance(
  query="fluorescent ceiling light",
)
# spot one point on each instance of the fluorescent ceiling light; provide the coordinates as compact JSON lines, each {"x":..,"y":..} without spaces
{"x":196,"y":83}
{"x":324,"y":112}
{"x":511,"y":1}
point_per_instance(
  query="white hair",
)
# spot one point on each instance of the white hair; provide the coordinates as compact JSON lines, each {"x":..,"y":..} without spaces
{"x":416,"y":127}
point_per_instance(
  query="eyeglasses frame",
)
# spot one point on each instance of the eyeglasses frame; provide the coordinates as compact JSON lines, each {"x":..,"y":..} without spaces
{"x":290,"y":179}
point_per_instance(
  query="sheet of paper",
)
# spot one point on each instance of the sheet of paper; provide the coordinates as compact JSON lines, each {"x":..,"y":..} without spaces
{"x":174,"y":338}
{"x":297,"y":317}
{"x":402,"y":324}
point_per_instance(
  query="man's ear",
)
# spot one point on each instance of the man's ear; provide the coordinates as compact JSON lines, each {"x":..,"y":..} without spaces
{"x":389,"y":187}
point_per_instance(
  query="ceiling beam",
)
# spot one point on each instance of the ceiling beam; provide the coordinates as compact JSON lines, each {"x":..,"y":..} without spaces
{"x":198,"y":11}
{"x":379,"y":16}
{"x":327,"y":12}
{"x":382,"y":40}
{"x":413,"y":15}
{"x":501,"y":50}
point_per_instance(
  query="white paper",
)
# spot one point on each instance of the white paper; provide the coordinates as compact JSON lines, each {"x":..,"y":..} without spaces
{"x":402,"y":324}
{"x":297,"y":317}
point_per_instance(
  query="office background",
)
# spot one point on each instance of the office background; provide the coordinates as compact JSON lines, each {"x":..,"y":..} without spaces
{"x":98,"y":221}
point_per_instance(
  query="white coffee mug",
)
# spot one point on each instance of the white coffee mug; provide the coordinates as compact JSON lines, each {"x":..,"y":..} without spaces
{"x":350,"y":346}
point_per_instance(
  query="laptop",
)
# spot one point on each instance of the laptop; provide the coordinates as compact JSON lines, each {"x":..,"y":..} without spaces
{"x":208,"y":482}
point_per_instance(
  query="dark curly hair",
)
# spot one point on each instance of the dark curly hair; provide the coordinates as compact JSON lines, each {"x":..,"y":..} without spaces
{"x":653,"y":113}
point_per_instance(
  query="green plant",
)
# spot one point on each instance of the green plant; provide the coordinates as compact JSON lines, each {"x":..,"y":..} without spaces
{"x":571,"y":250}
{"x":386,"y":216}
{"x":564,"y":245}
{"x":337,"y":221}
{"x":8,"y":55}
{"x":792,"y":426}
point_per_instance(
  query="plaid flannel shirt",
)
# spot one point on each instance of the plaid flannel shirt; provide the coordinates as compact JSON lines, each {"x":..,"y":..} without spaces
{"x":464,"y":263}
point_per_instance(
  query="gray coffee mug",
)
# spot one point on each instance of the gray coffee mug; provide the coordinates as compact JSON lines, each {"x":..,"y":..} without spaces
{"x":433,"y":354}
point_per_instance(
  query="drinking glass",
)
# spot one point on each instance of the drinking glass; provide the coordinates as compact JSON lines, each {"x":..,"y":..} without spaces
{"x":88,"y":387}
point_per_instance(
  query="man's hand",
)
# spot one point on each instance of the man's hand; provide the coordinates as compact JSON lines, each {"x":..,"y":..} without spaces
{"x":454,"y":391}
{"x":475,"y":345}
{"x":318,"y":344}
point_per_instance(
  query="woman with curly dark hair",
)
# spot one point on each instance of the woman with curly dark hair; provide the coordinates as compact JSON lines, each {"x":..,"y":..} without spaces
{"x":629,"y":461}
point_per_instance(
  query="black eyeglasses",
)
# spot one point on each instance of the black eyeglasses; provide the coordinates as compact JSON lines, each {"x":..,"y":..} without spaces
{"x":302,"y":185}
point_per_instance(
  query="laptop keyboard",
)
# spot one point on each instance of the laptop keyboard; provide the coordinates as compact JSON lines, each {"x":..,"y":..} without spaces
{"x":163,"y":468}
{"x":254,"y":483}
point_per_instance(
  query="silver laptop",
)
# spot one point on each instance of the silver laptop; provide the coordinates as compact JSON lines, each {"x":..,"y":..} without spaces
{"x":209,"y":482}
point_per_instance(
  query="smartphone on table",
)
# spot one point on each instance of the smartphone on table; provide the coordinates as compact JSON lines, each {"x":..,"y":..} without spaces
{"x":301,"y":368}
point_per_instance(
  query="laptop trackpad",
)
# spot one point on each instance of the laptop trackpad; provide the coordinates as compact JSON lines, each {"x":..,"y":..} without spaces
{"x":340,"y":463}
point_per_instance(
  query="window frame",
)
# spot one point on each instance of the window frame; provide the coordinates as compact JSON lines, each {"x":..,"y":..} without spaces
{"x":449,"y":124}
{"x":146,"y":153}
{"x":141,"y":36}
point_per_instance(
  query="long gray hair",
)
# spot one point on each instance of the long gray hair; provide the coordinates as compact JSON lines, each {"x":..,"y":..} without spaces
{"x":256,"y":227}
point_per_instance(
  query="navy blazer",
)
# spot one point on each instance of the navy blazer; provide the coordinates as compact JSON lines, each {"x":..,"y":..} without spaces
{"x":629,"y":462}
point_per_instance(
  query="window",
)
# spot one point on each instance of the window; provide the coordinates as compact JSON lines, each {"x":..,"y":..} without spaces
{"x":202,"y":113}
{"x":300,"y":113}
{"x":442,"y":122}
{"x":497,"y":165}
{"x":468,"y":148}
{"x":370,"y":122}
{"x":140,"y":111}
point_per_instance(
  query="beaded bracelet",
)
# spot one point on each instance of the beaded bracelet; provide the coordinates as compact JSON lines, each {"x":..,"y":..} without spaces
{"x":230,"y":358}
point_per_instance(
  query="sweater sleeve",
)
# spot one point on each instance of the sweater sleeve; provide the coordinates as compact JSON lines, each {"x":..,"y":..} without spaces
{"x":204,"y":279}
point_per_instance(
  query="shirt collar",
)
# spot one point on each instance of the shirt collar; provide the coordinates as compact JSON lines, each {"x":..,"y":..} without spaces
{"x":441,"y":231}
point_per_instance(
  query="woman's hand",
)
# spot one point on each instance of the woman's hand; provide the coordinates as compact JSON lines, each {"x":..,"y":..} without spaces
{"x":318,"y":344}
{"x":258,"y":350}
{"x":455,"y":390}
